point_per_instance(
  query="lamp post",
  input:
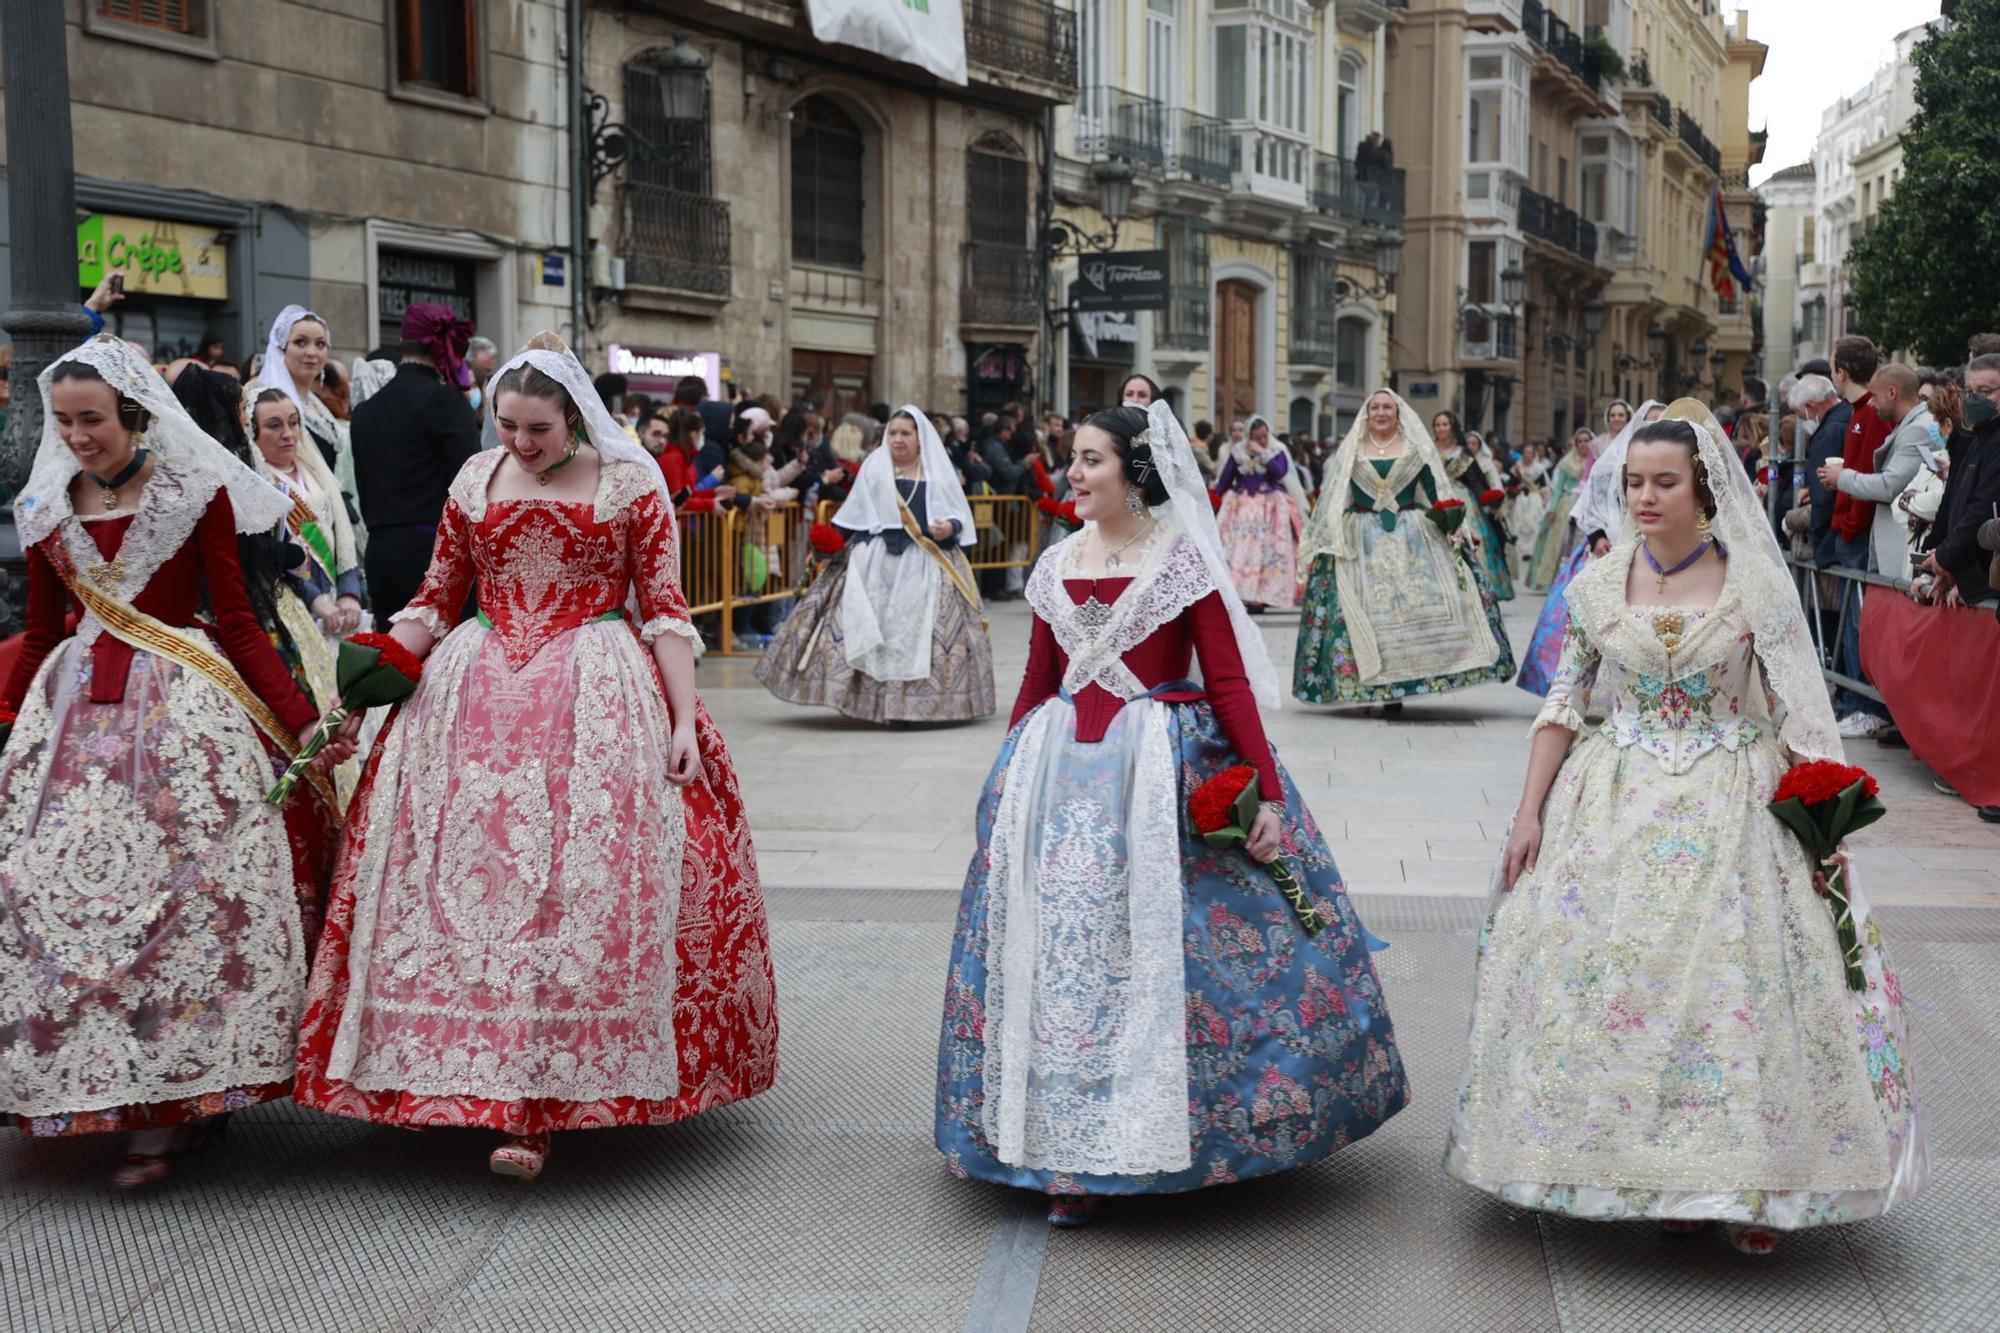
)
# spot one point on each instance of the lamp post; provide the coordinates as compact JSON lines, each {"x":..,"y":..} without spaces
{"x":1388,"y":263}
{"x":46,"y":320}
{"x":1057,"y":239}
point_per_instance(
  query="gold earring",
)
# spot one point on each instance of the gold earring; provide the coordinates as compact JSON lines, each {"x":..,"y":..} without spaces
{"x":1701,"y":524}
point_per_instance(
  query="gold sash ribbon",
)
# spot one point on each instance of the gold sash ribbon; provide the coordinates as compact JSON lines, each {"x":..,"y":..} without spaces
{"x":952,"y":571}
{"x":135,"y":627}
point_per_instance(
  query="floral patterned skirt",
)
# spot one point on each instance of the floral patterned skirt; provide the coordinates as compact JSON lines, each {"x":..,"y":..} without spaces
{"x":157,"y":915}
{"x":1260,"y":540}
{"x":1552,"y":544}
{"x":530,"y":930}
{"x":1323,"y":667}
{"x":1289,"y":1051}
{"x":806,"y":662}
{"x":1662,"y":1026}
{"x":1538,"y":664}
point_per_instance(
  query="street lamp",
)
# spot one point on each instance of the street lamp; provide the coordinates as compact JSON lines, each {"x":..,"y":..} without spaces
{"x":1593,"y":319}
{"x":683,"y":81}
{"x":1066,"y":240}
{"x":1388,"y":263}
{"x":1513,"y":286}
{"x":1656,"y":344}
{"x":1717,"y":363}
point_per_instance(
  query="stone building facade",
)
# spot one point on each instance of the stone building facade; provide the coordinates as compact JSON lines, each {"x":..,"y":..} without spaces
{"x":832,"y":222}
{"x":349,"y":155}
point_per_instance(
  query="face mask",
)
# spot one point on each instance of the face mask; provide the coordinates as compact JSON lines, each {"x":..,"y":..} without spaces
{"x":1979,"y":409}
{"x":475,"y":395}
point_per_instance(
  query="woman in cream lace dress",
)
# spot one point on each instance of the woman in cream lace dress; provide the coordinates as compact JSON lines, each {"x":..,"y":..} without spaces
{"x":1662,"y":1027}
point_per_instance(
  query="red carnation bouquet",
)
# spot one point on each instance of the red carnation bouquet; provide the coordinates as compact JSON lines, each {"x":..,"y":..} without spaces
{"x":1223,"y":809}
{"x":373,"y":671}
{"x":1491,"y":500}
{"x":1822,"y":802}
{"x":1449,"y":515}
{"x":826,"y":539}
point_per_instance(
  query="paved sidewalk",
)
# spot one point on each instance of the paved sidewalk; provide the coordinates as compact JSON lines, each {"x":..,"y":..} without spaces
{"x":823,"y":1205}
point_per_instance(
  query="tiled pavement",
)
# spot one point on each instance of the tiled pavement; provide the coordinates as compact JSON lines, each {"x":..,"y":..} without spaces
{"x":822,"y":1204}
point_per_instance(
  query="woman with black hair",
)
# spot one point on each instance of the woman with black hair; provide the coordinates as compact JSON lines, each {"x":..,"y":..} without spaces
{"x":893,"y":629}
{"x":1138,"y":391}
{"x":1665,"y":1026}
{"x":1130,"y":1010}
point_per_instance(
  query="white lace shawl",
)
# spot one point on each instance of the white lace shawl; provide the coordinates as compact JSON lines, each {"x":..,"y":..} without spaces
{"x":200,"y":467}
{"x":1172,"y":577}
{"x":1326,"y":532}
{"x":322,"y":492}
{"x":872,"y":505}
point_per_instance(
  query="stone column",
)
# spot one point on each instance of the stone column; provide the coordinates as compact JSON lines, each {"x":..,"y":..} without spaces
{"x":46,"y":319}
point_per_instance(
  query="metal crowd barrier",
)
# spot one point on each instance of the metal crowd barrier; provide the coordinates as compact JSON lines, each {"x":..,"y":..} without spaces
{"x":1848,"y":588}
{"x":722,"y":552}
{"x":1008,"y":528}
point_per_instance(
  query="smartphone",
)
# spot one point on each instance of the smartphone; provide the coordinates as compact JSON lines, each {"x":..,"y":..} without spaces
{"x":118,"y":284}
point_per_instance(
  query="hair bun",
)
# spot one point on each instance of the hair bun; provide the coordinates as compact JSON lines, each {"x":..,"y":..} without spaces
{"x":547,"y":341}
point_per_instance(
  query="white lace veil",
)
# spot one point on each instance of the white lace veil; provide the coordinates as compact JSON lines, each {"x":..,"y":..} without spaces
{"x":871,"y":505}
{"x":338,"y":526}
{"x":550,"y":355}
{"x":1188,"y":508}
{"x":1325,"y":533}
{"x":367,"y":378}
{"x":1601,"y":506}
{"x":1763,"y":583}
{"x":174,"y":439}
{"x":273,"y":370}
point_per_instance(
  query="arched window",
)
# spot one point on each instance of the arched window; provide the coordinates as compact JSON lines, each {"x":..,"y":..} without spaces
{"x":996,"y":191}
{"x":826,"y":185}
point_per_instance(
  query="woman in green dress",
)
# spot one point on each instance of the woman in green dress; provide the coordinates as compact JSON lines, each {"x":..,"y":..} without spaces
{"x":1395,"y":605}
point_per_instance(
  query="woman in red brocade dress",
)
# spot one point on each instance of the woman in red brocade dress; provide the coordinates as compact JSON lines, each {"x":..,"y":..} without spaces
{"x":546,"y":914}
{"x":155,"y":914}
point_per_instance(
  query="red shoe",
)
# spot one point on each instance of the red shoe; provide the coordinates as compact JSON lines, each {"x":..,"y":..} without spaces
{"x":1072,"y":1210}
{"x":521,"y":1157}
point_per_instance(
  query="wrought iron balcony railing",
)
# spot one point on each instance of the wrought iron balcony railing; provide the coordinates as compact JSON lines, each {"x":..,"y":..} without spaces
{"x":1201,"y":148}
{"x":1342,"y":189}
{"x":999,"y":285}
{"x":674,"y":238}
{"x":1544,"y":218}
{"x":1112,"y":123}
{"x":1031,"y":37}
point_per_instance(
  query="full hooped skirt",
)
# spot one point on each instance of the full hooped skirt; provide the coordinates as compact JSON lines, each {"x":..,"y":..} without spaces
{"x":1260,"y":539}
{"x":1323,"y":667}
{"x":1290,"y":1054}
{"x":806,"y":662}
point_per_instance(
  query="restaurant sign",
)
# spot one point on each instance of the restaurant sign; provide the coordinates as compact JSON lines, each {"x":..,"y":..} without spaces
{"x":157,"y":257}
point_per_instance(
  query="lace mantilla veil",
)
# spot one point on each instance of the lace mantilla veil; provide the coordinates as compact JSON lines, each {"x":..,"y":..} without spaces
{"x":1325,"y":533}
{"x":203,"y":465}
{"x":1601,"y":506}
{"x":871,"y":504}
{"x":550,"y":355}
{"x":1189,"y":509}
{"x":1758,"y":578}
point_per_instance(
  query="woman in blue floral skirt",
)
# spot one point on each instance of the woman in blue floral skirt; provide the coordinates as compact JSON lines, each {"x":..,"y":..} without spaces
{"x":1130,"y":1011}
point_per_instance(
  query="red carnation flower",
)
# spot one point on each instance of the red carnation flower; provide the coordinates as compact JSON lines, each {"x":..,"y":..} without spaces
{"x":394,"y":655}
{"x":826,"y":538}
{"x":1823,"y":780}
{"x":1492,"y":497}
{"x":1449,"y":504}
{"x":1213,"y":803}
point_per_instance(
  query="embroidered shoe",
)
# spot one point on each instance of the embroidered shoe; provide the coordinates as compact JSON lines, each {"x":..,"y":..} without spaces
{"x":1751,"y":1239}
{"x":1072,"y":1210}
{"x":521,"y":1157}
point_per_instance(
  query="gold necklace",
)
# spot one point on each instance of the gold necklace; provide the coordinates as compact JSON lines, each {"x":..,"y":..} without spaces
{"x":1111,"y":560}
{"x":548,"y":473}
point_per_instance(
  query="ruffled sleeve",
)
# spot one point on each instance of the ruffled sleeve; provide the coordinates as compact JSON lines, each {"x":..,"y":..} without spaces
{"x":652,"y":554}
{"x":1569,"y":690}
{"x":448,"y":581}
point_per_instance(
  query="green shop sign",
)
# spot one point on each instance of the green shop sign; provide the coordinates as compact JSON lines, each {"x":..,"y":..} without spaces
{"x":158,"y":257}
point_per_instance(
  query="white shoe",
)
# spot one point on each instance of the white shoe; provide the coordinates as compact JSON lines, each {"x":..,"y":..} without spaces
{"x":1859,"y":724}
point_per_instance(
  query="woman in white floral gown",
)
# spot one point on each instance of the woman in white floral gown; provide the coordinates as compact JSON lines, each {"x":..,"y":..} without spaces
{"x":1662,"y":1027}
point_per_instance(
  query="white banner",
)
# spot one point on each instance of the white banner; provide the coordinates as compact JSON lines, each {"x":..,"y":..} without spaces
{"x":927,"y":33}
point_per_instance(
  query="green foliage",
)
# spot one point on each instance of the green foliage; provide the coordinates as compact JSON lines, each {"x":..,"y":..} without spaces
{"x":1924,"y":276}
{"x":1609,"y":62}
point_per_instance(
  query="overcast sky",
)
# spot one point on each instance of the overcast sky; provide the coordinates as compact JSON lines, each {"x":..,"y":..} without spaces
{"x":1821,"y":50}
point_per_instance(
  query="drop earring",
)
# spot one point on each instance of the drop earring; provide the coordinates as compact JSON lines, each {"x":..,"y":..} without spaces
{"x":1134,"y":504}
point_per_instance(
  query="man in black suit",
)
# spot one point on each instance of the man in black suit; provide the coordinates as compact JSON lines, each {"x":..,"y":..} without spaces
{"x":410,"y":439}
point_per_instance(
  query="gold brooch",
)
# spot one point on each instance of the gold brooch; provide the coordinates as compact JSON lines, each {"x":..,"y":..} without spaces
{"x":1668,"y":626}
{"x":107,"y":573}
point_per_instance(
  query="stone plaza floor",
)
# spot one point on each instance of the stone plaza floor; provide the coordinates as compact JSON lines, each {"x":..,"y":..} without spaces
{"x":823,"y":1205}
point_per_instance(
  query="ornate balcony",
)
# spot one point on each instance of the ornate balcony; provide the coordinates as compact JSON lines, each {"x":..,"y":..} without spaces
{"x":999,"y":286}
{"x":676,"y":239}
{"x":1340,"y":190}
{"x":1112,"y":123}
{"x":1545,"y":219}
{"x":1030,"y":37}
{"x":1201,"y":148}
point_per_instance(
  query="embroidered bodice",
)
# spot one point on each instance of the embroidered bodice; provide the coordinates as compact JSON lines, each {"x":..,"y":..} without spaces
{"x":916,"y":495}
{"x":1251,"y":476}
{"x":1419,"y":493}
{"x":163,"y":559}
{"x":1698,"y":688}
{"x":545,"y":567}
{"x":1164,"y":656}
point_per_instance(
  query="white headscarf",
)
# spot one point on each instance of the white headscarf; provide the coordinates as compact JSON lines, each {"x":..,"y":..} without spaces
{"x":550,"y":355}
{"x":1188,"y":507}
{"x":1294,"y":487}
{"x":1325,"y":533}
{"x":872,"y":505}
{"x":331,"y":506}
{"x":275,"y":373}
{"x":1601,"y":506}
{"x":172,"y":436}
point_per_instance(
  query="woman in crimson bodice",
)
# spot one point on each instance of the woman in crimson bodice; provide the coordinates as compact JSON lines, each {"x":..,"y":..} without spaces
{"x":546,"y":913}
{"x":1128,"y":1009}
{"x":155,"y":914}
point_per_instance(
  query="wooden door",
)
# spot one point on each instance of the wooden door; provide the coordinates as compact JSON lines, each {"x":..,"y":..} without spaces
{"x":843,"y":380}
{"x":1236,"y":351}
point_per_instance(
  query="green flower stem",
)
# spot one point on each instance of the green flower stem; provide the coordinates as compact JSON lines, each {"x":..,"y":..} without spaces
{"x":307,"y":753}
{"x":1288,"y":884}
{"x":1844,"y":924}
